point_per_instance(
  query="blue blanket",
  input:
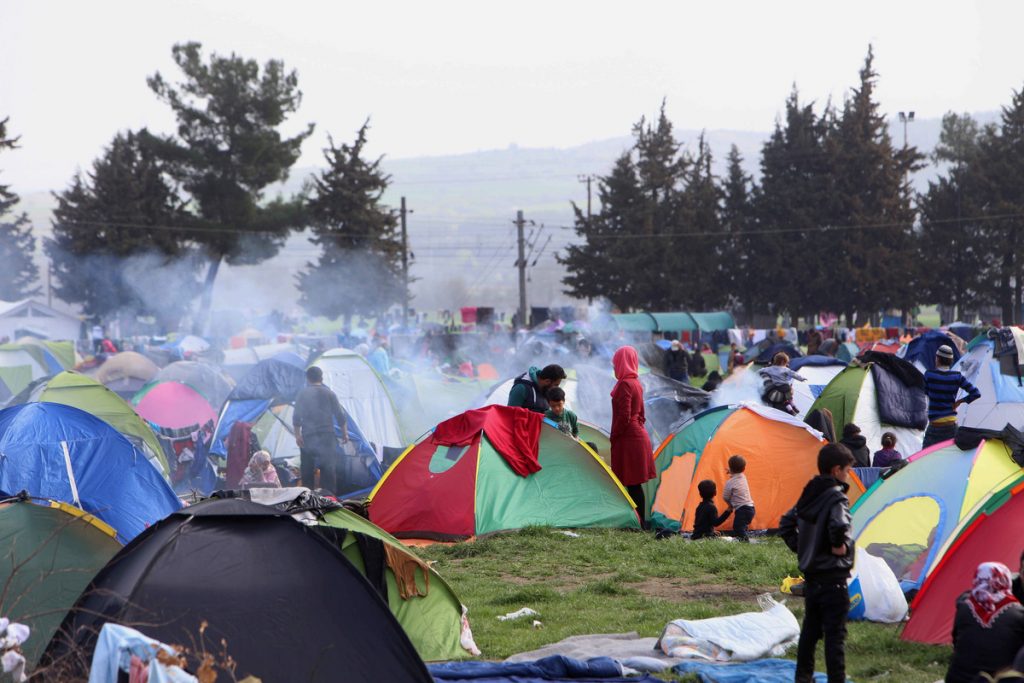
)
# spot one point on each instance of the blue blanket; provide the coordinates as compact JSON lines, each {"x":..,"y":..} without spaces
{"x":760,"y":671}
{"x":554,"y":668}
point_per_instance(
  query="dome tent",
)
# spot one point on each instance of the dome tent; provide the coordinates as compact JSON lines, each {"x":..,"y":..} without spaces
{"x":62,"y":453}
{"x":818,"y":371}
{"x":49,"y":552}
{"x":219,"y":562}
{"x":781,"y":454}
{"x":205,"y":378}
{"x":907,"y":518}
{"x":362,"y":394}
{"x":125,"y":373}
{"x":1002,"y":396}
{"x":456,"y":492}
{"x":983,"y":536}
{"x":85,"y":393}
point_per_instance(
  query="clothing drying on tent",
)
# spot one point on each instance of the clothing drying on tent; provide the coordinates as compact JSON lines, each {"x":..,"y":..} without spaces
{"x":877,"y":397}
{"x":244,"y":570}
{"x":425,"y":605}
{"x":86,"y":393}
{"x":62,"y":453}
{"x":125,"y":373}
{"x":446,"y":491}
{"x":1002,"y":394}
{"x":57,"y":550}
{"x":907,"y":518}
{"x":994,"y":532}
{"x":363,"y":395}
{"x":205,"y":378}
{"x":781,"y":454}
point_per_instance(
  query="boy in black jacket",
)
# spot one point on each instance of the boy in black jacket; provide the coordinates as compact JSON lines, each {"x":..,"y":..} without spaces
{"x":706,"y":518}
{"x":817,"y":529}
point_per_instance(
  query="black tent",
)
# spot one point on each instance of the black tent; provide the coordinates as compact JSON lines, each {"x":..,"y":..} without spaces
{"x":288,"y":604}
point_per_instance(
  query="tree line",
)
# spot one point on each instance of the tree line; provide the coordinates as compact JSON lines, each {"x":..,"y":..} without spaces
{"x":831,"y":225}
{"x":145,"y":231}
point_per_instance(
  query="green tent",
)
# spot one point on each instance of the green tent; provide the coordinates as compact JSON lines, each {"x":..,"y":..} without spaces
{"x":50,"y":553}
{"x":433,"y":618}
{"x":85,"y":393}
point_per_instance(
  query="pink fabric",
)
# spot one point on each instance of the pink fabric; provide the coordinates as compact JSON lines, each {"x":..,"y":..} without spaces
{"x":626,"y":364}
{"x":991,"y":593}
{"x":174,"y":405}
{"x":514,"y":433}
{"x":138,"y":671}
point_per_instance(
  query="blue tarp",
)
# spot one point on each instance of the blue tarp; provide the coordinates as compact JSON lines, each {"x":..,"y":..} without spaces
{"x":554,"y":668}
{"x":62,"y":453}
{"x":816,"y":361}
{"x":273,"y":381}
{"x":242,"y":410}
{"x":760,"y":671}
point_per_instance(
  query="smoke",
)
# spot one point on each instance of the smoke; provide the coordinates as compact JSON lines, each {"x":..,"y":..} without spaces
{"x":742,"y":386}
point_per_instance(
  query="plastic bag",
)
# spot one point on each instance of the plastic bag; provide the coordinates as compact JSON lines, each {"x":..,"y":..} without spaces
{"x":875,"y":593}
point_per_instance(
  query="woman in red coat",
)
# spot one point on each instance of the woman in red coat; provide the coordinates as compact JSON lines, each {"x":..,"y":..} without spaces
{"x":632,"y":456}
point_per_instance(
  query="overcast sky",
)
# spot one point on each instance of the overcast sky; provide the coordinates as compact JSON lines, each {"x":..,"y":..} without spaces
{"x":450,"y":77}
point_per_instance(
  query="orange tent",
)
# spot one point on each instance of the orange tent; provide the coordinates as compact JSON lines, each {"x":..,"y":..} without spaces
{"x":781,"y":454}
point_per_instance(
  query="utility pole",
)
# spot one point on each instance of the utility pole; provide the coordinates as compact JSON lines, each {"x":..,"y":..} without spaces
{"x":586,"y":179}
{"x":405,"y":269}
{"x":521,"y":264}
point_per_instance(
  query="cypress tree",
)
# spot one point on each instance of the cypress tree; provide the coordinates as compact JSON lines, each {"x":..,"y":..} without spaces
{"x":17,"y":245}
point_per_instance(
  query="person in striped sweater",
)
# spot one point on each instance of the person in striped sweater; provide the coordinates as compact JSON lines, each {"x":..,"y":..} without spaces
{"x":943,"y":385}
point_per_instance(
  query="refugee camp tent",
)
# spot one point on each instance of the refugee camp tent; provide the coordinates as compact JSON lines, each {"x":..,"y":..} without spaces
{"x":764,"y":352}
{"x":992,"y":533}
{"x":272,"y":382}
{"x":63,"y":453}
{"x":237,"y":362}
{"x":20,"y":365}
{"x":847,"y":351}
{"x":363,"y":395}
{"x":126,"y":372}
{"x":205,"y":378}
{"x":907,"y":518}
{"x":1002,"y":396}
{"x":780,"y":450}
{"x":921,"y":349}
{"x":459,"y":491}
{"x":597,"y":438}
{"x":49,"y":552}
{"x":818,"y":371}
{"x":60,"y":354}
{"x":231,"y":565}
{"x":173,"y":406}
{"x":85,"y":393}
{"x":877,"y":401}
{"x":424,"y":398}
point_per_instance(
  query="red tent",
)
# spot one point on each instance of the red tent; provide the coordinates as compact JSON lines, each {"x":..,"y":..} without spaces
{"x":994,"y":534}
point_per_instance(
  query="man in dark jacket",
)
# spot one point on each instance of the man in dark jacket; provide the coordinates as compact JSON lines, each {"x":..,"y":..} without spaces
{"x":858,"y":445}
{"x":817,"y":529}
{"x":317,"y":410}
{"x":677,"y":362}
{"x":529,"y":390}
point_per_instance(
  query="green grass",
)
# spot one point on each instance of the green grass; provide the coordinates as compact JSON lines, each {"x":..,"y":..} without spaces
{"x":617,"y":581}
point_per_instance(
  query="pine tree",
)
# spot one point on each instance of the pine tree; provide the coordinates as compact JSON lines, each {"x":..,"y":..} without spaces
{"x":871,"y":211}
{"x":228,"y":149}
{"x":359,"y":269}
{"x":951,"y":240}
{"x":737,"y":222}
{"x":596,"y":267}
{"x":17,"y":245}
{"x":698,"y":278}
{"x":118,"y":243}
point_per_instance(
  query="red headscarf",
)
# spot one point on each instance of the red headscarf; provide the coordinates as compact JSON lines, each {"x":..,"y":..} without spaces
{"x":991,"y":593}
{"x":626,"y":363}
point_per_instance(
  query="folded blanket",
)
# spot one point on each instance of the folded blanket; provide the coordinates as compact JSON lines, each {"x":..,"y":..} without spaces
{"x":740,"y":637}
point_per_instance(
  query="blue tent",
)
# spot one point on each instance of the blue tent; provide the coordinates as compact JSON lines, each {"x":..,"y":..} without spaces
{"x":921,"y":350}
{"x":63,"y":453}
{"x":816,"y":361}
{"x":273,"y":381}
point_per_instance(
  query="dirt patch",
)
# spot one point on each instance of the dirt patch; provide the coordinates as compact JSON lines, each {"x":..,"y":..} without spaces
{"x":685,"y":590}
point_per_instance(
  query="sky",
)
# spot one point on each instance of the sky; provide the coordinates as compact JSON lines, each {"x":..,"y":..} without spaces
{"x":440,"y":77}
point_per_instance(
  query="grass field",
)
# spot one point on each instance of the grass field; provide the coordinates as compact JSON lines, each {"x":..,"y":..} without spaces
{"x":617,"y":581}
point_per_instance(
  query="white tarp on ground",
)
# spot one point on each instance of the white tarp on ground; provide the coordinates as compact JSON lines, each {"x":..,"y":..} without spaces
{"x":737,"y":638}
{"x":362,"y":394}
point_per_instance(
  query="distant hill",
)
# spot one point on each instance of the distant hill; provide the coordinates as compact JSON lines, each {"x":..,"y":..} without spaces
{"x":461,"y":230}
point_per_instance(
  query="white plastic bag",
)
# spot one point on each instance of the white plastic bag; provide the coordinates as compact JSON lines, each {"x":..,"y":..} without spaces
{"x":875,"y":593}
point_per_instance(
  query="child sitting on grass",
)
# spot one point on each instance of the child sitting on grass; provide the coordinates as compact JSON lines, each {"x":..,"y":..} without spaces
{"x":707,"y":517}
{"x":564,"y":418}
{"x":736,"y":495}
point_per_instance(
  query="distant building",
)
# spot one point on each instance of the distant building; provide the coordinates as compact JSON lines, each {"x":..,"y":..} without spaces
{"x":30,"y":318}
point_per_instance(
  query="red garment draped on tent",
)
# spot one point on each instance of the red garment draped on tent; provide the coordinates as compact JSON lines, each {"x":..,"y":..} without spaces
{"x":516,"y":439}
